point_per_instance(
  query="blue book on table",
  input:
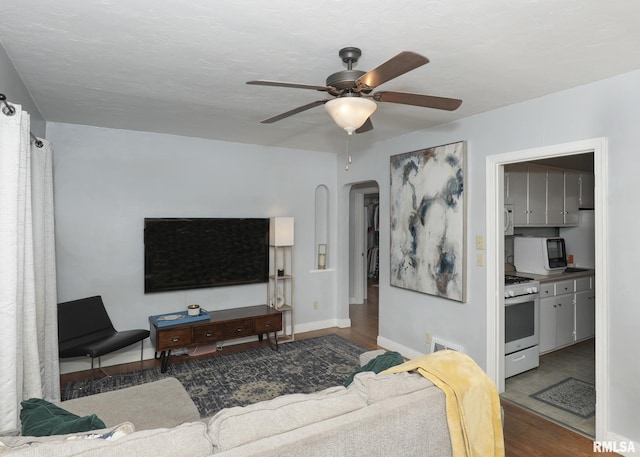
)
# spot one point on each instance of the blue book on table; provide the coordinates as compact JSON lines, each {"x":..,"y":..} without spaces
{"x":179,"y":317}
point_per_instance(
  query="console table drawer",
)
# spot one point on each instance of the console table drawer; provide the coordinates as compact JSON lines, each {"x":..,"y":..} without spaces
{"x":174,"y":338}
{"x":207,"y":333}
{"x":268,"y":324}
{"x":237,"y":329}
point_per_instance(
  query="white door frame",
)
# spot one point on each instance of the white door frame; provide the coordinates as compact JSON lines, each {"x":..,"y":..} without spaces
{"x":365,"y":265}
{"x":357,"y":241}
{"x":357,"y":249}
{"x":495,"y":262}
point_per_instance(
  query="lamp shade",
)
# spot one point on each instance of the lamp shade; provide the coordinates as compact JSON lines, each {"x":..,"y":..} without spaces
{"x":281,"y":231}
{"x":350,"y":112}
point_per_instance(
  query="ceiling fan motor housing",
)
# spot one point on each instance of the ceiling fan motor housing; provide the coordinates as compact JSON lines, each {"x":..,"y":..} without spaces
{"x":345,"y":79}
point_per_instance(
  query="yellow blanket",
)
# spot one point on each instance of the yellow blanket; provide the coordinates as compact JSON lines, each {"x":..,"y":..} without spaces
{"x":473,"y":405}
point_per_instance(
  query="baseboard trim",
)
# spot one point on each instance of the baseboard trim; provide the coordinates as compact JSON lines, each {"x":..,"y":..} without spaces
{"x":132,"y":354}
{"x":127,"y":355}
{"x":321,"y":325}
{"x":621,"y":445}
{"x":391,"y":345}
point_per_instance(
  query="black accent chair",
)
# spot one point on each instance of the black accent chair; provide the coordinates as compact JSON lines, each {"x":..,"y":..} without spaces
{"x":85,"y":330}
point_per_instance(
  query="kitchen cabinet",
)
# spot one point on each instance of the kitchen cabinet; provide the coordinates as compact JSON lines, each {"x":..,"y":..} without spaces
{"x":566,"y":286}
{"x":586,"y":199}
{"x":516,"y":191}
{"x":555,"y":197}
{"x":564,"y":320}
{"x":556,"y":322}
{"x":585,"y":303}
{"x":526,"y":187}
{"x":567,"y":312}
{"x":571,"y":194}
{"x":543,"y":196}
{"x":547,"y":329}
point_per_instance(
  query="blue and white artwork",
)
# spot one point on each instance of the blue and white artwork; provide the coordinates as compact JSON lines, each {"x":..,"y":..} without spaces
{"x":428,"y":221}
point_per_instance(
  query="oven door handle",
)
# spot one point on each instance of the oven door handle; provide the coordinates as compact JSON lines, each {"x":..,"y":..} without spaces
{"x":508,"y":301}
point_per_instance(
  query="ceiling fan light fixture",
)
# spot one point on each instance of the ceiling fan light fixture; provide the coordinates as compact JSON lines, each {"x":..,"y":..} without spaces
{"x":350,"y":112}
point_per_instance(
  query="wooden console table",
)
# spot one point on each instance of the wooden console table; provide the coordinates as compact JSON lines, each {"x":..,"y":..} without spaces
{"x":223,"y":325}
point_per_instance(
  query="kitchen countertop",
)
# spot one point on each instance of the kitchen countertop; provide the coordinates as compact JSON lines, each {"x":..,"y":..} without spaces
{"x":509,"y":269}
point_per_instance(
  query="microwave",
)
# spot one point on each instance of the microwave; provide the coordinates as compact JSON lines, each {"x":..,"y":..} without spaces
{"x":508,"y":219}
{"x":539,"y":255}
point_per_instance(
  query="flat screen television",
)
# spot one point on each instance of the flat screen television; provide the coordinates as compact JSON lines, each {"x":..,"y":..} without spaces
{"x":191,"y":253}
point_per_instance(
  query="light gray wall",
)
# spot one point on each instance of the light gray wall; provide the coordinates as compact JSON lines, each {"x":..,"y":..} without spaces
{"x":609,"y":108}
{"x":107,"y":181}
{"x":12,"y":86}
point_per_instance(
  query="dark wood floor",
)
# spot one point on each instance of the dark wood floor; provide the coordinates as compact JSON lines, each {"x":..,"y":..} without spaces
{"x":526,"y":434}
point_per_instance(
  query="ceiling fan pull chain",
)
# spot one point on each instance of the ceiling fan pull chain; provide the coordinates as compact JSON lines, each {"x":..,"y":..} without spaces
{"x":346,"y":166}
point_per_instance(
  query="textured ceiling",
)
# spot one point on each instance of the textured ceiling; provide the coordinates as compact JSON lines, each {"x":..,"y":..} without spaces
{"x":180,"y":66}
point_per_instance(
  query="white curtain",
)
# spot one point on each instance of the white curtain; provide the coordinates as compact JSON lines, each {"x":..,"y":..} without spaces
{"x":28,"y":300}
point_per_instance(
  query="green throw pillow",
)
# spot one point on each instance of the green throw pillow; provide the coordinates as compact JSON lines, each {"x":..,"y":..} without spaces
{"x":382,"y":362}
{"x":41,"y":418}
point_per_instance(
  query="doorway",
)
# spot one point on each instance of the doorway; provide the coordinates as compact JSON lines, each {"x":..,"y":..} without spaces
{"x":495,"y":260}
{"x":364,"y":204}
{"x":568,"y":372}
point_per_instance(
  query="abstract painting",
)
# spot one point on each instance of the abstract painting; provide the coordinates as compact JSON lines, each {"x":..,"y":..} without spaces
{"x":428,"y":214}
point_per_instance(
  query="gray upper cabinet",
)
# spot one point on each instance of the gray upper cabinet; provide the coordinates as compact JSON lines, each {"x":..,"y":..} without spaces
{"x":571,"y":197}
{"x":516,"y":188}
{"x":586,"y":190}
{"x":555,"y":197}
{"x":526,"y":187}
{"x":543,"y":196}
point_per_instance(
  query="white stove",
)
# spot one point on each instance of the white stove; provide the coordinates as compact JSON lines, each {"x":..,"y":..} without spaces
{"x":515,"y":286}
{"x":521,"y":324}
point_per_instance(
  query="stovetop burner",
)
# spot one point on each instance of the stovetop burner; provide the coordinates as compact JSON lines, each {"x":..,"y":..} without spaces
{"x":510,"y":279}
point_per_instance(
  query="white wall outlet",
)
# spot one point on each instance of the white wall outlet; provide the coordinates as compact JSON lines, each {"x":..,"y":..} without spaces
{"x":315,"y":305}
{"x":427,"y":338}
{"x":480,"y":242}
{"x":480,"y":259}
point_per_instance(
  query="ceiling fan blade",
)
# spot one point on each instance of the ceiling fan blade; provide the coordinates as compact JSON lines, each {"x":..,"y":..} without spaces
{"x":392,"y":68}
{"x":426,"y":101}
{"x":262,"y":82}
{"x":368,"y":125}
{"x":297,"y":110}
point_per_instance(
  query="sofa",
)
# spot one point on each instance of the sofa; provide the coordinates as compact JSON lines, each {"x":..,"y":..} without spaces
{"x":401,"y":414}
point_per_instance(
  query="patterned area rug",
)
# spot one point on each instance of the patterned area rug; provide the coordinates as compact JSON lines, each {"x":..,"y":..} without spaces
{"x":571,"y":395}
{"x":242,"y":378}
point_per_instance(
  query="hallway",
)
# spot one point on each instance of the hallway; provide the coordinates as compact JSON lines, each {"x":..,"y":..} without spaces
{"x":364,"y":317}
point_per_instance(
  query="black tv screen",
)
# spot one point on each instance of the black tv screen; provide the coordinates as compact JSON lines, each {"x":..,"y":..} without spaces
{"x":191,"y":253}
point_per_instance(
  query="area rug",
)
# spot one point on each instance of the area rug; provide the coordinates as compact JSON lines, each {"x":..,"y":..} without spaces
{"x":242,"y":378}
{"x":571,"y":395}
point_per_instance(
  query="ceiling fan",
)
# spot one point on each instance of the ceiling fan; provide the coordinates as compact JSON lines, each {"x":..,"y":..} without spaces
{"x":353,"y":103}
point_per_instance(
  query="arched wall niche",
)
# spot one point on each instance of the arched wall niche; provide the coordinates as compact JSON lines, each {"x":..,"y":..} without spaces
{"x":322,"y":260}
